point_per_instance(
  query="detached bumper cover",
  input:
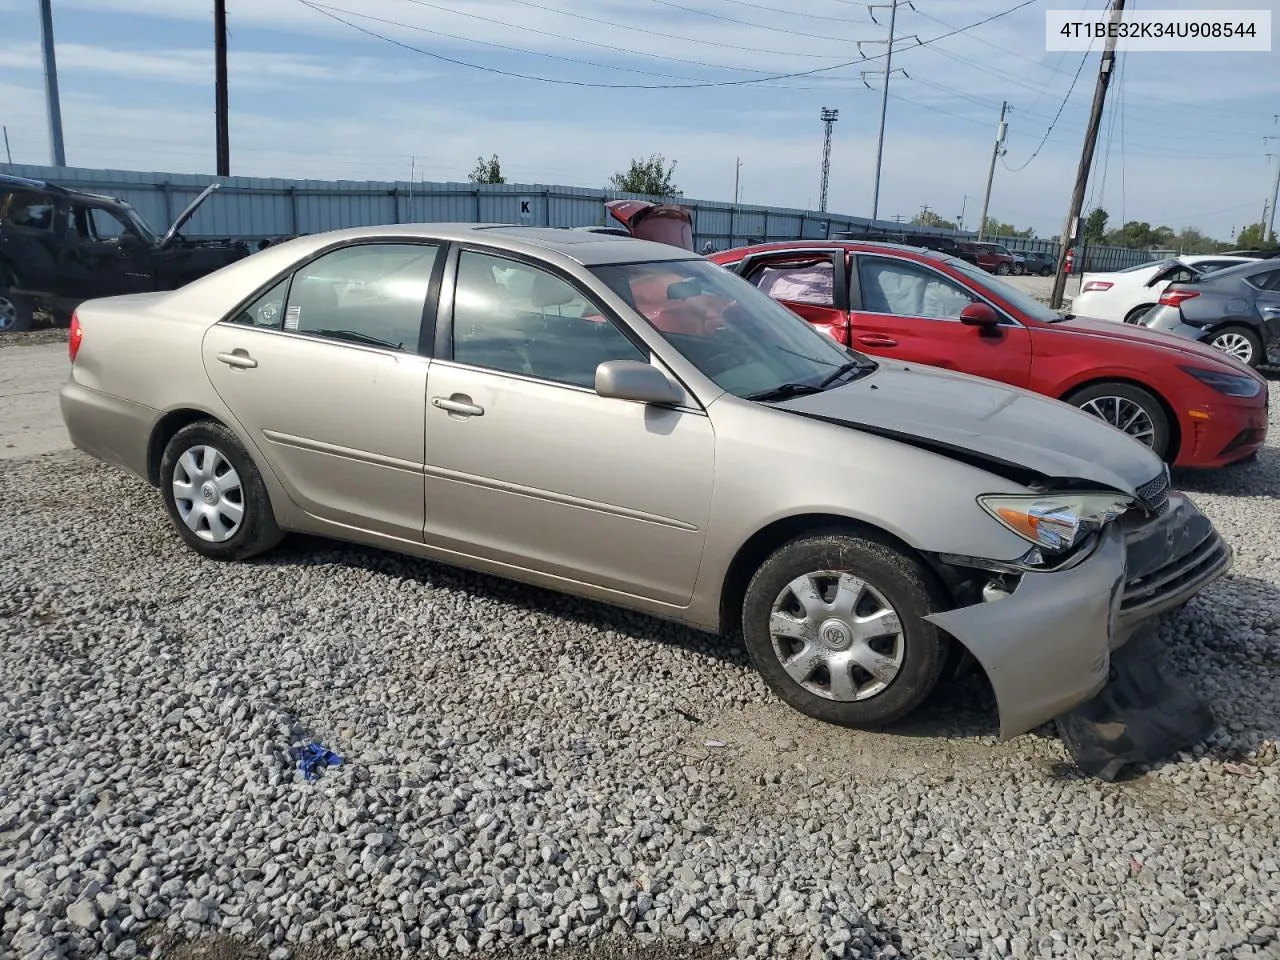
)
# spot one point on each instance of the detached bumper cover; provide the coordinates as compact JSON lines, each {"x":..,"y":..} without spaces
{"x":1047,"y":647}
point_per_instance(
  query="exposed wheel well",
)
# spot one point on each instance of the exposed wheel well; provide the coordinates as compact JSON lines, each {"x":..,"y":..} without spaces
{"x":1175,"y":430}
{"x":768,"y":539}
{"x":163,"y":432}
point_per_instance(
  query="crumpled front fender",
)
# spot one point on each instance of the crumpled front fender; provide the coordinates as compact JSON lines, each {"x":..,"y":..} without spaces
{"x":1046,"y":647}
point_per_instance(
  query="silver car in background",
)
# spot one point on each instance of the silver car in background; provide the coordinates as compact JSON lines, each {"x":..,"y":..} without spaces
{"x":629,"y":422}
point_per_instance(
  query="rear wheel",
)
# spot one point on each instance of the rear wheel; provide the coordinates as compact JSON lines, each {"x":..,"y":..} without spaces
{"x":1003,"y":269}
{"x":1239,"y":342}
{"x":16,"y":312}
{"x":1046,"y":271}
{"x":835,"y":625}
{"x":1130,"y":409}
{"x":1135,"y":315}
{"x":215,"y":495}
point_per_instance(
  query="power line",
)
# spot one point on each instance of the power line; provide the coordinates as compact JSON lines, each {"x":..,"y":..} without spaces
{"x":597,"y":44}
{"x":636,"y":86}
{"x":658,"y":33}
{"x":792,"y":13}
{"x":757,"y":26}
{"x":1054,"y":122}
{"x":503,"y":46}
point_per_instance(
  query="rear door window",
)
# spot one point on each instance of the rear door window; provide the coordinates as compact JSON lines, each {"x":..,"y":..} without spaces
{"x":799,"y":281}
{"x":30,"y":211}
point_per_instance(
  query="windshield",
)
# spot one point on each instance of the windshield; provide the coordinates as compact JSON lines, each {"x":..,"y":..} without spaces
{"x":747,"y":343}
{"x":139,"y":224}
{"x":1020,"y":301}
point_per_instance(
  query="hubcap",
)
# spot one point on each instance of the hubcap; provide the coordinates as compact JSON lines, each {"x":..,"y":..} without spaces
{"x":837,"y":636}
{"x":1125,"y":415}
{"x":1235,"y":344}
{"x":208,"y":494}
{"x":8,"y":313}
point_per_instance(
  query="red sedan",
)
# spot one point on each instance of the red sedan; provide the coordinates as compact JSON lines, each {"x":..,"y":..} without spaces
{"x":1193,"y":405}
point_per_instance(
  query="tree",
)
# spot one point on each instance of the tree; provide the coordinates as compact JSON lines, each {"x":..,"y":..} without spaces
{"x":996,"y":228}
{"x":487,"y":171}
{"x":650,"y":176}
{"x":1251,"y":238}
{"x":1095,"y":225}
{"x":927,"y":218}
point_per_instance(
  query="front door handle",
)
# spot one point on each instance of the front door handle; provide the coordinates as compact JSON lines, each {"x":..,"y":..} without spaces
{"x":241,"y":360}
{"x":459,"y":404}
{"x":874,"y":340}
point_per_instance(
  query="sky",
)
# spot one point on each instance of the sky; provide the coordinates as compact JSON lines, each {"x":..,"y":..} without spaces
{"x":386,"y":89}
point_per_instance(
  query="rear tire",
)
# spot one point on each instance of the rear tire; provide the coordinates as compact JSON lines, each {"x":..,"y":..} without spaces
{"x":867,"y":606}
{"x":1046,"y":271}
{"x":1239,"y":342}
{"x":17,"y":312}
{"x":1003,"y":270}
{"x":1135,"y":315}
{"x":226,"y":514}
{"x":1135,"y":411}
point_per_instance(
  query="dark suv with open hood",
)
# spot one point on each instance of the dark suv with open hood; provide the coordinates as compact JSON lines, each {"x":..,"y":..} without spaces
{"x":60,"y":247}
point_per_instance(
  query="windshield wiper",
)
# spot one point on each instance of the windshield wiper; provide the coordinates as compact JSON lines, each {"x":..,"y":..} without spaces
{"x":864,"y":365}
{"x":784,"y":390}
{"x":354,"y":337}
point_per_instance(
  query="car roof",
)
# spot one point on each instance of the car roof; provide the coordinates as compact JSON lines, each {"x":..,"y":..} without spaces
{"x":25,"y":183}
{"x":586,"y":249}
{"x":800,"y":246}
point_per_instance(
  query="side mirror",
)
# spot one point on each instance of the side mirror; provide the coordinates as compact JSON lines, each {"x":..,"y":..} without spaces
{"x":980,"y":315}
{"x":637,"y":381}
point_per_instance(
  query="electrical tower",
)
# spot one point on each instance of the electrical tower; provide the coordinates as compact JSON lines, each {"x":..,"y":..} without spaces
{"x":828,"y":118}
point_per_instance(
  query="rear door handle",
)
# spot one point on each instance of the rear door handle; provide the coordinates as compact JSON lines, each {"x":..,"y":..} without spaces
{"x":873,"y":340}
{"x":1271,"y":311}
{"x":458,"y":404}
{"x":241,"y":360}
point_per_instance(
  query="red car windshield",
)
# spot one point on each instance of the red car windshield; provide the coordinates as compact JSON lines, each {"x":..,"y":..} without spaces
{"x":737,"y":336}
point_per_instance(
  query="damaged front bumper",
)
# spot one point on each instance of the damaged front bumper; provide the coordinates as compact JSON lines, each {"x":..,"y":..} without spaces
{"x":1047,"y":647}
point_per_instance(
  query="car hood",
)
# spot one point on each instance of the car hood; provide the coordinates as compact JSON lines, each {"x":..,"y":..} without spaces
{"x":1176,"y":348}
{"x":1014,"y":433}
{"x":187,"y":214}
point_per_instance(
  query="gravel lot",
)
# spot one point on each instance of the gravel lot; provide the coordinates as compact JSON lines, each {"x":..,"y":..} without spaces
{"x":526,"y":771}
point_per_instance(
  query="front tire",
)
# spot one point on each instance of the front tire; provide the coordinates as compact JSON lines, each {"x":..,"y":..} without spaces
{"x":835,"y":626}
{"x":215,"y":495}
{"x":1239,"y":342}
{"x":1135,"y":411}
{"x":17,"y":312}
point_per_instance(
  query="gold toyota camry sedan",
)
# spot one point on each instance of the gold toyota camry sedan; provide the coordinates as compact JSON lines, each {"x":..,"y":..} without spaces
{"x":630,"y":422}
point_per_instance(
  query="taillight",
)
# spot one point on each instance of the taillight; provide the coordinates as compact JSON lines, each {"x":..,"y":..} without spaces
{"x":1176,"y":298}
{"x":1098,"y":285}
{"x":74,"y":336}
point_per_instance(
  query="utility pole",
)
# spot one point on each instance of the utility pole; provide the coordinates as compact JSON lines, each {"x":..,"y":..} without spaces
{"x":884,"y":105}
{"x":220,"y":83}
{"x":737,"y":176}
{"x":51,"y":85}
{"x":960,"y":219}
{"x":7,"y":152}
{"x":1001,"y":129}
{"x":1269,"y":217}
{"x":1086,"y":156}
{"x":828,"y":118}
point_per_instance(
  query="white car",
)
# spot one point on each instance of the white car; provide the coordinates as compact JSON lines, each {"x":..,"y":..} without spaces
{"x":1125,"y":295}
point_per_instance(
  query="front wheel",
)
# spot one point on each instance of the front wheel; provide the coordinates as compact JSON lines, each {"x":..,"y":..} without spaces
{"x":215,"y":495}
{"x":1239,"y":342}
{"x":1130,"y":409}
{"x":1019,"y":269}
{"x":17,"y":312}
{"x":835,"y":626}
{"x":1003,"y":270}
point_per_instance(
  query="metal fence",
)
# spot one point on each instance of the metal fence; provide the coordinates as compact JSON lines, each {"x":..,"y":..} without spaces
{"x":251,"y":208}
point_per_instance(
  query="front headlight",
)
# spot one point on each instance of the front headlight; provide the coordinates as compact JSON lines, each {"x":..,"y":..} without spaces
{"x":1227,"y":384}
{"x":1056,"y":522}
